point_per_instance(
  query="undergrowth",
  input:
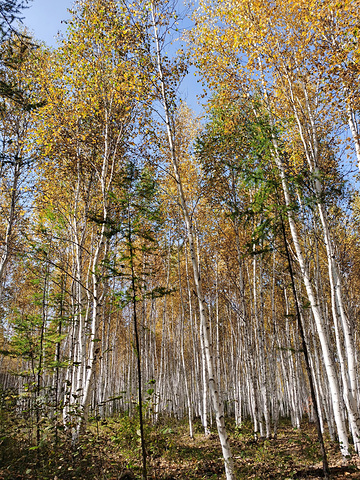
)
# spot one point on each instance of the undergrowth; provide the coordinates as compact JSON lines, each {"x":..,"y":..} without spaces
{"x":111,"y":447}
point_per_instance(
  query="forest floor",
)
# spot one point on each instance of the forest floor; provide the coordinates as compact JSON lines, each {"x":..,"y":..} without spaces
{"x":110,"y":450}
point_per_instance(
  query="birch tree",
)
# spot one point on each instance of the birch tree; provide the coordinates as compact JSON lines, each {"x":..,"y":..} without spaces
{"x":164,"y":93}
{"x":84,"y":131}
{"x":283,"y":76}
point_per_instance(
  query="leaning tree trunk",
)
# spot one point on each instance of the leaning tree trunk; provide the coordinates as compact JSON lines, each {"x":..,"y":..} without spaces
{"x":213,"y":386}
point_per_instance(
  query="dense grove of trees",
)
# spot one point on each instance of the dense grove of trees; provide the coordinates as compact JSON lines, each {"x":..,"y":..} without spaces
{"x":193,"y":269}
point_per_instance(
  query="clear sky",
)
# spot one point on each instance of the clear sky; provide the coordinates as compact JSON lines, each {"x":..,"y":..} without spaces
{"x":43,"y":18}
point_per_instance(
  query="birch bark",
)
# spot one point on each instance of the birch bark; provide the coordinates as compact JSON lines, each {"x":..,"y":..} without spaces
{"x":217,"y":405}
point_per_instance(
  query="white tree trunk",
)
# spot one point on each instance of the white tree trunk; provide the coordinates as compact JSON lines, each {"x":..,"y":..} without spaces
{"x":217,"y":405}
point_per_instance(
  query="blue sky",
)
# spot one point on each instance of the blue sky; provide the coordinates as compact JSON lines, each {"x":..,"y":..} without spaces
{"x":43,"y":18}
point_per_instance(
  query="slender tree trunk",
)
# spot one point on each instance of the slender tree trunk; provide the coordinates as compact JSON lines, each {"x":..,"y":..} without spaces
{"x":319,"y":321}
{"x":217,"y":405}
{"x":307,"y":361}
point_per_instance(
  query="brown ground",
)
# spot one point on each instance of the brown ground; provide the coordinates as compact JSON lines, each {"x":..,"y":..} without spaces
{"x":110,"y":451}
